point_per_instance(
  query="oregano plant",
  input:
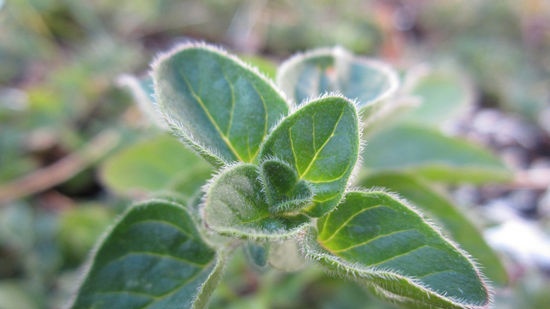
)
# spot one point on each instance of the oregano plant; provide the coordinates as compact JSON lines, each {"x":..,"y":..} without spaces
{"x":285,"y":157}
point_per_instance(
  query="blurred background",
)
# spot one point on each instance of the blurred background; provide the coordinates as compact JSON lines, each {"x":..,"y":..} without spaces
{"x":64,"y":116}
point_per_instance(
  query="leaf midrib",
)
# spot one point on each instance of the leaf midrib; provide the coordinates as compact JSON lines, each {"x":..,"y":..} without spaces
{"x":212,"y":120}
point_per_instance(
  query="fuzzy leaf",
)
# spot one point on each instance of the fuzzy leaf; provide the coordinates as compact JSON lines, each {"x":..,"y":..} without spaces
{"x":235,"y":205}
{"x":383,"y":243}
{"x":432,"y":155}
{"x":153,"y":257}
{"x":219,"y":105}
{"x":310,"y":75}
{"x":321,"y":142}
{"x":446,"y":214}
{"x":156,"y":164}
{"x":285,"y":192}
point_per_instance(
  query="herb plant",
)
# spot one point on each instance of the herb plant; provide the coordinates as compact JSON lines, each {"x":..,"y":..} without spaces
{"x":285,"y":159}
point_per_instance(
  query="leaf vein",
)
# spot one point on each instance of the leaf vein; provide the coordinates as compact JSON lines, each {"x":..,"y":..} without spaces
{"x":211,"y":118}
{"x":348,"y":220}
{"x":366,"y":242}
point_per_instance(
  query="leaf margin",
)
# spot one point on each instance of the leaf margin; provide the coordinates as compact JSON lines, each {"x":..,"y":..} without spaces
{"x":354,"y":271}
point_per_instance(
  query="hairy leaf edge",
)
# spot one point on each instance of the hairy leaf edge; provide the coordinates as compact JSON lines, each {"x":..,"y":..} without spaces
{"x":175,"y":126}
{"x":238,"y":233}
{"x":202,"y":296}
{"x":312,"y":250}
{"x":340,"y":52}
{"x":294,"y":109}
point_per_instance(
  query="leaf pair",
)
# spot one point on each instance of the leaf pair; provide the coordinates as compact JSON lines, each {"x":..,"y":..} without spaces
{"x":305,"y":162}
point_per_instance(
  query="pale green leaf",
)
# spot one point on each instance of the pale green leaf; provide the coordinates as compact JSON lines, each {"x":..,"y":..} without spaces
{"x":286,"y":256}
{"x":284,"y":191}
{"x":235,"y":205}
{"x":153,"y":257}
{"x":444,"y":213}
{"x":216,"y":103}
{"x":429,"y":153}
{"x":321,"y":142}
{"x":18,"y":295}
{"x":380,"y":241}
{"x":443,"y":95}
{"x":156,"y":164}
{"x":309,"y":75}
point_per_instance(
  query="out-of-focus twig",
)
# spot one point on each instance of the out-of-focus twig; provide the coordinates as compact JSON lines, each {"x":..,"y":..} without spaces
{"x":61,"y":170}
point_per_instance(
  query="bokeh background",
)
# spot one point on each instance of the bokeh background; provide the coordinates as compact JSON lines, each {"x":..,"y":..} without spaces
{"x":64,"y":114}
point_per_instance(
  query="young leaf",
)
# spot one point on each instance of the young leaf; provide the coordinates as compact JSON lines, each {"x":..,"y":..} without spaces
{"x":446,"y":214}
{"x":216,"y":103}
{"x":432,"y":155}
{"x":285,"y":192}
{"x":320,"y":141}
{"x":325,"y":70}
{"x":235,"y":205}
{"x":153,"y":257}
{"x":385,"y":244}
{"x":156,"y":164}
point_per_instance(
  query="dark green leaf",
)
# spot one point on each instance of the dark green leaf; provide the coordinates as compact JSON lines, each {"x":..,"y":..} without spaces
{"x":157,"y":164}
{"x":383,"y":243}
{"x":432,"y":155}
{"x":153,"y":257}
{"x":220,"y":106}
{"x":446,"y":214}
{"x":320,"y":71}
{"x":321,"y":142}
{"x":285,"y":192}
{"x":235,"y":205}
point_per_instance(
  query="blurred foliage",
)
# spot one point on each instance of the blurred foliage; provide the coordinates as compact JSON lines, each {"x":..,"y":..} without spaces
{"x":59,"y":60}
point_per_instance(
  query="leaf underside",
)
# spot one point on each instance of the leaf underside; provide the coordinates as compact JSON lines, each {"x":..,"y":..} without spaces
{"x":219,"y":106}
{"x":389,"y":247}
{"x":235,"y":205}
{"x":321,"y":142}
{"x":335,"y":70}
{"x":153,"y":258}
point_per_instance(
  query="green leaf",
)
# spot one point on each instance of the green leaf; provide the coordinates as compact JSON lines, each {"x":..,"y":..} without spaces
{"x":235,"y":205}
{"x":446,"y":214}
{"x":320,"y":71}
{"x":80,"y":227}
{"x":257,"y":254}
{"x":285,"y":192}
{"x":321,"y":142}
{"x":17,"y":295}
{"x":153,"y":257}
{"x":383,"y":243}
{"x":216,"y":103}
{"x":428,"y":153}
{"x":157,"y":164}
{"x":443,"y":94}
